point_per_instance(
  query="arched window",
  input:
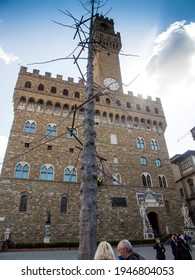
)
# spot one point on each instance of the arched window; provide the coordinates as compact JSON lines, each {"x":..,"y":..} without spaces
{"x":156,"y":110}
{"x":162,"y":181}
{"x":63,"y":204}
{"x":160,"y":127}
{"x":110,"y":118}
{"x":116,"y":179}
{"x":41,"y":87}
{"x":97,"y":99}
{"x":154,"y":126}
{"x":143,"y":161}
{"x":104,"y":117}
{"x":23,"y":203}
{"x":138,"y":107}
{"x":47,"y":172}
{"x":148,"y":125}
{"x":51,"y":130}
{"x":140,"y":143}
{"x":129,"y":121}
{"x":113,"y":139}
{"x":65,"y":110}
{"x":154,"y":145}
{"x":97,"y":116}
{"x":70,"y":135}
{"x":116,"y":118}
{"x":77,"y":94}
{"x":122,"y":120}
{"x":81,"y":113}
{"x":49,"y":107}
{"x":147,"y":109}
{"x":30,"y":127}
{"x":27,"y":84}
{"x":57,"y":109}
{"x":22,"y":103}
{"x":146,"y":180}
{"x":158,"y":162}
{"x":40,"y":105}
{"x":142,"y":123}
{"x":136,"y":122}
{"x":53,"y":90}
{"x":31,"y":104}
{"x":21,"y":170}
{"x":128,"y":105}
{"x":65,"y":92}
{"x":70,"y":175}
{"x":108,"y":101}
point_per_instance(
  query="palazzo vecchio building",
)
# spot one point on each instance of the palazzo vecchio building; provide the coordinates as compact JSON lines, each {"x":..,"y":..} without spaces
{"x":41,"y":173}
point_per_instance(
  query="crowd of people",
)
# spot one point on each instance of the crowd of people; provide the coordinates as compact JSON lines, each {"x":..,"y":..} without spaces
{"x":180,"y":245}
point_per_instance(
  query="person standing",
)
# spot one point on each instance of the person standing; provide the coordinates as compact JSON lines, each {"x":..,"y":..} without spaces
{"x":125,"y":251}
{"x":173,"y":244}
{"x":182,"y":253}
{"x":160,"y":250}
{"x":104,"y":252}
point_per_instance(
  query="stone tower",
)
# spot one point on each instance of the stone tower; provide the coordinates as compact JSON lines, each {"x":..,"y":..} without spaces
{"x":41,"y":170}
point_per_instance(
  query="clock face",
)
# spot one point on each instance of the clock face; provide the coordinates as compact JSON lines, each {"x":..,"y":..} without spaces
{"x":111,"y":83}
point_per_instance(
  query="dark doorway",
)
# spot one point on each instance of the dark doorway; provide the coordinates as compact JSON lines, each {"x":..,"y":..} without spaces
{"x":153,"y":218}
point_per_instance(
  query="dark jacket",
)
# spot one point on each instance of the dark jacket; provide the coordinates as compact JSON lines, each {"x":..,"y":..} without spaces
{"x":160,"y":251}
{"x":135,"y":256}
{"x":173,"y":247}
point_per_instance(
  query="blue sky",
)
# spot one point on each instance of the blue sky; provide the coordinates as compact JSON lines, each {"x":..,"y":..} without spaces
{"x":161,"y":32}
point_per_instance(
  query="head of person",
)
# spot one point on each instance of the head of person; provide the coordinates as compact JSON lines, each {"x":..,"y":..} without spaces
{"x":104,"y":252}
{"x":124,"y":248}
{"x":157,"y":240}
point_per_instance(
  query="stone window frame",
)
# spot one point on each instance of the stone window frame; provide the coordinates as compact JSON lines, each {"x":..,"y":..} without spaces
{"x":20,"y":171}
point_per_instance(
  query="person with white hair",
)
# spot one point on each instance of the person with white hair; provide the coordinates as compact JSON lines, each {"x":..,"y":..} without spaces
{"x":125,"y":251}
{"x":104,"y":252}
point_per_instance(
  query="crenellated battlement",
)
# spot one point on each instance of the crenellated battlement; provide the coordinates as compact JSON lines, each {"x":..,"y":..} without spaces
{"x":59,"y":78}
{"x":48,"y":75}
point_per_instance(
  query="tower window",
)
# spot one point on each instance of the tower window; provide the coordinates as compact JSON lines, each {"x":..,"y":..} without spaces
{"x":23,"y":203}
{"x":143,"y":161}
{"x":21,"y":171}
{"x":146,"y":180}
{"x":47,"y":173}
{"x":162,"y":181}
{"x":27,"y":84}
{"x":140,"y":143}
{"x":30,"y":127}
{"x":41,"y":87}
{"x":65,"y":92}
{"x":138,"y":107}
{"x":70,"y":175}
{"x":51,"y":130}
{"x":49,"y":147}
{"x":26,"y":145}
{"x":71,"y":136}
{"x":154,"y":145}
{"x":158,"y":162}
{"x":53,"y":90}
{"x":77,"y":94}
{"x":64,"y":203}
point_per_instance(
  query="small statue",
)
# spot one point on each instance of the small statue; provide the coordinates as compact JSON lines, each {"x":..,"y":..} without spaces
{"x":185,"y":214}
{"x":143,"y":213}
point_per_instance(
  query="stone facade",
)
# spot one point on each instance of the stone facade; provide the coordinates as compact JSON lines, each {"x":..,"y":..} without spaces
{"x":129,"y":140}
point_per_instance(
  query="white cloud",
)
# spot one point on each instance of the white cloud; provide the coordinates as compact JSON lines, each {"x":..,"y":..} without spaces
{"x":171,"y":63}
{"x":7,"y":57}
{"x":170,"y":74}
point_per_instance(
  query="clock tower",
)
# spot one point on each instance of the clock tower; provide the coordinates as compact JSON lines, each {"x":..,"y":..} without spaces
{"x":106,"y":55}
